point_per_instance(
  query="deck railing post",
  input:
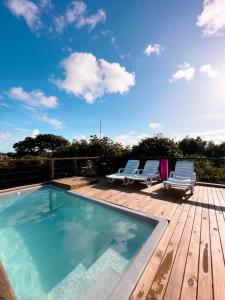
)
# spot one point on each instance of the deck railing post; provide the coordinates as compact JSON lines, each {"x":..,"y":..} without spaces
{"x":75,"y":167}
{"x":52,"y":168}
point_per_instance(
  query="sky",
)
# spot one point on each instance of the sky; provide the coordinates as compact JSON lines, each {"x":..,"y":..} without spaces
{"x":141,"y":67}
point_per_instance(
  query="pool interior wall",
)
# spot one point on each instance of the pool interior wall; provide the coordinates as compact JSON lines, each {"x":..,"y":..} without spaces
{"x":67,"y":246}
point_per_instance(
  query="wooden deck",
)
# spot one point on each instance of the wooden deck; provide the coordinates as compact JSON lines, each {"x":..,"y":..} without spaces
{"x":188,"y":262}
{"x":74,"y":182}
{"x":6,"y":292}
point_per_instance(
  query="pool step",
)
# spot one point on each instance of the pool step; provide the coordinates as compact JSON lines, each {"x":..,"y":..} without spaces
{"x":63,"y":288}
{"x":69,"y":289}
{"x":103,"y":287}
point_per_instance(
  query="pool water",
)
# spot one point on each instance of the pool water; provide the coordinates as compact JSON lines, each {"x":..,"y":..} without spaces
{"x":57,"y":245}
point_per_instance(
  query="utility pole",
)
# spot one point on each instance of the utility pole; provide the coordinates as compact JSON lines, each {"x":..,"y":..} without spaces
{"x":100,"y":130}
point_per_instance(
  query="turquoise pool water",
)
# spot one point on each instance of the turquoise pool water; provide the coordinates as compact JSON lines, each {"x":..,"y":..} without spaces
{"x":56,"y":245}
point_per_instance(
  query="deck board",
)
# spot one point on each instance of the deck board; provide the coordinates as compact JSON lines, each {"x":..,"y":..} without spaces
{"x":218,"y":270}
{"x":6,"y":292}
{"x":174,"y":286}
{"x":189,"y":285}
{"x":188,"y":262}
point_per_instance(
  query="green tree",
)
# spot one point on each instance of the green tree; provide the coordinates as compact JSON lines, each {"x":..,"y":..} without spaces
{"x":25,"y":147}
{"x":191,"y":146}
{"x":39,"y":145}
{"x":76,"y":148}
{"x":104,"y":147}
{"x":157,"y":146}
{"x":93,"y":147}
{"x":50,"y":142}
{"x":220,"y":150}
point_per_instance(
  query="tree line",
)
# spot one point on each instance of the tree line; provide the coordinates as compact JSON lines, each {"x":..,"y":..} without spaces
{"x":158,"y":146}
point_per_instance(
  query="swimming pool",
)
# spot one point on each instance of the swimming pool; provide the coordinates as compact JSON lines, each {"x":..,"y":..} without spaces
{"x":58,"y":245}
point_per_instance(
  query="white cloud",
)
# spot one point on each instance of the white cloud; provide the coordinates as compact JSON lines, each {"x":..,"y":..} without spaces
{"x":21,"y":129}
{"x":209,"y":71}
{"x":41,"y":15}
{"x":35,"y":132}
{"x":59,"y":23}
{"x":92,"y":20}
{"x":46,"y":4}
{"x":155,"y":125}
{"x":4,"y":105}
{"x":89,"y":78}
{"x":77,"y":13}
{"x":216,"y":135}
{"x":54,"y":122}
{"x":130,"y":138}
{"x":35,"y":98}
{"x":27,"y":10}
{"x":209,"y":117}
{"x":212,"y":18}
{"x":4,"y":136}
{"x":151,"y":49}
{"x":80,"y":137}
{"x":186,"y":71}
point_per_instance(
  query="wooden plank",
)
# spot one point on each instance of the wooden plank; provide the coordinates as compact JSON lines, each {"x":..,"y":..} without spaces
{"x":106,"y":195}
{"x":218,"y":269}
{"x":205,"y":291}
{"x":143,"y":286}
{"x":221,"y":200}
{"x":74,"y":182}
{"x":160,"y":281}
{"x":88,"y":190}
{"x":161,"y":203}
{"x":220,"y":218}
{"x":189,"y":287}
{"x":6,"y":291}
{"x":176,"y":277}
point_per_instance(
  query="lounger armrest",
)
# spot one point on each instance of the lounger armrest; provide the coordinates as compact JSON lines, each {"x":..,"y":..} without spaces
{"x":139,"y":171}
{"x":121,"y":170}
{"x":135,"y":171}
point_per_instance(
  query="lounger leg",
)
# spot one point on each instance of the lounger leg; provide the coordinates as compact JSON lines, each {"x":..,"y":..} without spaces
{"x":125,"y":181}
{"x":110,"y":180}
{"x":149,"y":183}
{"x":166,"y":186}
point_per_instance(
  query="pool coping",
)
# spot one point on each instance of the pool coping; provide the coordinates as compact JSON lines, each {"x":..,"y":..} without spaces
{"x":129,"y":279}
{"x":127,"y":283}
{"x":23,"y":187}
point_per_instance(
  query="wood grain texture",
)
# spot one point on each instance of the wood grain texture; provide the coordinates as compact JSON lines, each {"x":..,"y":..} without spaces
{"x":188,"y":262}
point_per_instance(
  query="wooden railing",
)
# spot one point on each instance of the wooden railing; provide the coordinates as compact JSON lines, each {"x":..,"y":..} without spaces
{"x":14,"y":172}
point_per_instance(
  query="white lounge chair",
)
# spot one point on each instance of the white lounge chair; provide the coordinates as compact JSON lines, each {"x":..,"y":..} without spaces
{"x":150,"y":172}
{"x":183,"y":176}
{"x":130,"y":169}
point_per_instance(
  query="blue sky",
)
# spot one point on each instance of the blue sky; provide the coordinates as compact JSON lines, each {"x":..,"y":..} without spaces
{"x":142,"y":67}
